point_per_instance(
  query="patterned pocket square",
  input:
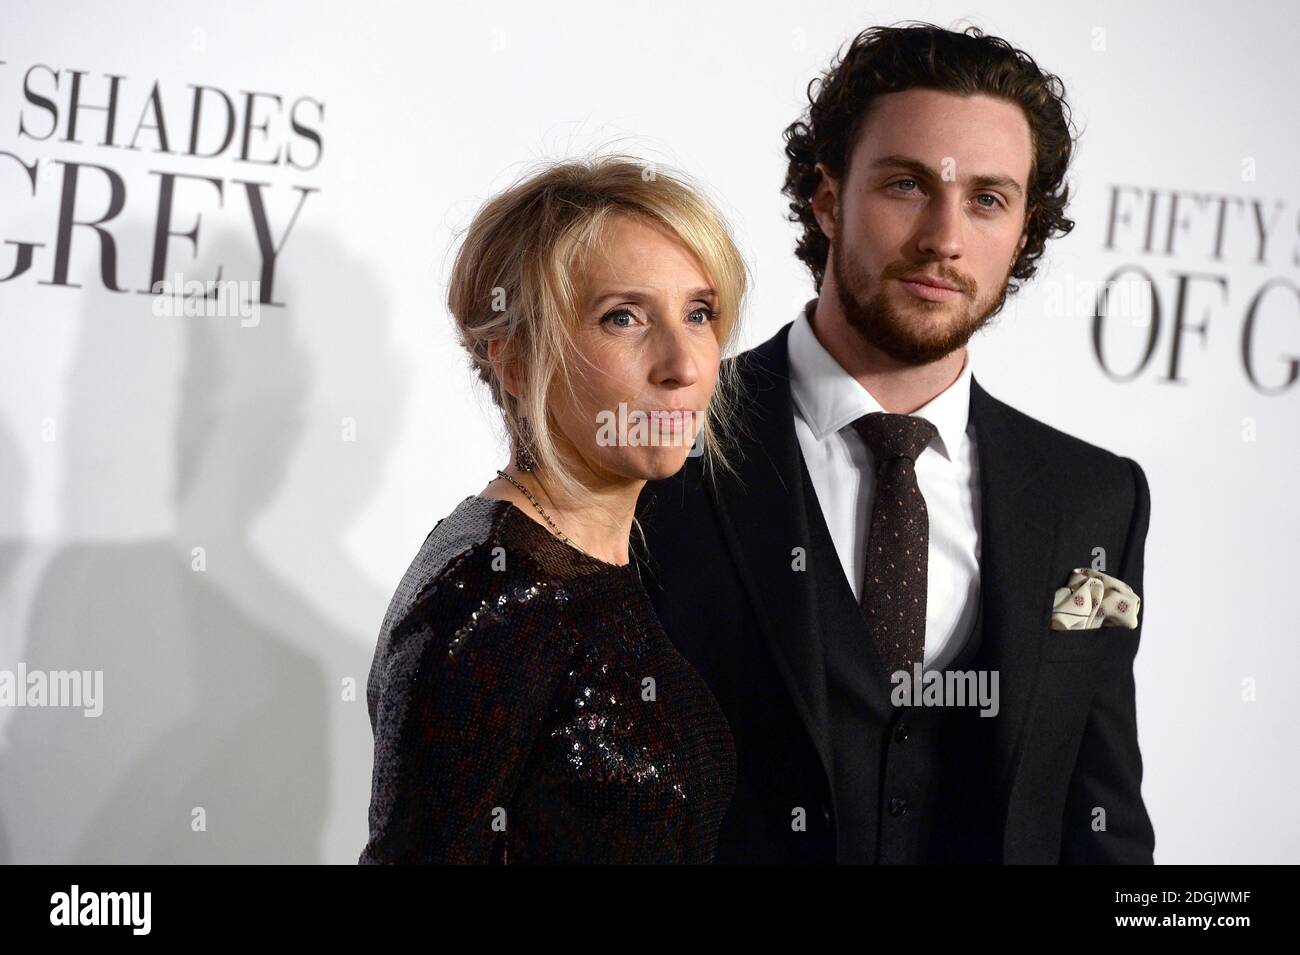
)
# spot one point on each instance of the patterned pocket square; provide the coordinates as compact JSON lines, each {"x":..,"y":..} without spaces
{"x":1092,"y":600}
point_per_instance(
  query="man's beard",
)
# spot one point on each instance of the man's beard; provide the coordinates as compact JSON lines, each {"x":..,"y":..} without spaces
{"x":916,"y":339}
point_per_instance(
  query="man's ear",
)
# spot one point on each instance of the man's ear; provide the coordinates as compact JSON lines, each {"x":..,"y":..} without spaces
{"x":825,"y":201}
{"x":1024,"y":235}
{"x":505,"y":372}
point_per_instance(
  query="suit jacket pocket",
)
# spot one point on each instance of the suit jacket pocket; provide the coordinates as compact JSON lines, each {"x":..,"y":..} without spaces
{"x":1099,"y":643}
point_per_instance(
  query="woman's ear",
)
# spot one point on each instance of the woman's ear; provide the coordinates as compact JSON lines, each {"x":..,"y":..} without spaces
{"x":505,"y":372}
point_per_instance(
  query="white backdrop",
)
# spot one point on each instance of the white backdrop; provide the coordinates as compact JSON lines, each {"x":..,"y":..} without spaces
{"x":215,"y":515}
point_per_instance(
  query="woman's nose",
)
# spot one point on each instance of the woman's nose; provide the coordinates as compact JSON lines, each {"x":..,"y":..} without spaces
{"x":675,"y":361}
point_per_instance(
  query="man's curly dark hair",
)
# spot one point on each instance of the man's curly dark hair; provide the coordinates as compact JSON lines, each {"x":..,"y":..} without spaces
{"x":921,"y":55}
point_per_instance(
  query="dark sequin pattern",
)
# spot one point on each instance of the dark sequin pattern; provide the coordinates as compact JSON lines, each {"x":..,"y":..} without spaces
{"x":528,"y":707}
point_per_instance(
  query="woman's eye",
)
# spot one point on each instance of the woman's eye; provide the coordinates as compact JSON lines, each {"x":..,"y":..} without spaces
{"x":706,"y":315}
{"x":616,"y":317}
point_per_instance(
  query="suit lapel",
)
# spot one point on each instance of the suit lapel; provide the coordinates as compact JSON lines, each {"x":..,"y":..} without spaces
{"x":763,"y":517}
{"x":1017,"y":540}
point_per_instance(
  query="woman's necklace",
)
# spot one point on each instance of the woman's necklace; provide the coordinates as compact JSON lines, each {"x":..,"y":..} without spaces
{"x":540,"y":510}
{"x":547,"y":517}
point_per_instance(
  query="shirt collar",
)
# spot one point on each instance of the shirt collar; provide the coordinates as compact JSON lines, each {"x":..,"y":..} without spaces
{"x":829,"y":398}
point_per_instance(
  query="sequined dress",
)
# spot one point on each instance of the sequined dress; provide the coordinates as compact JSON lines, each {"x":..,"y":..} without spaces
{"x":527,"y":707}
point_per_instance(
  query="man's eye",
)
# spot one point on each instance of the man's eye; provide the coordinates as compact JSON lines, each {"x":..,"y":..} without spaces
{"x":988,"y":195}
{"x":901,"y":181}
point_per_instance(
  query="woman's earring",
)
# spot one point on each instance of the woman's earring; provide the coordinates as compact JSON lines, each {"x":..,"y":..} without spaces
{"x":524,"y":459}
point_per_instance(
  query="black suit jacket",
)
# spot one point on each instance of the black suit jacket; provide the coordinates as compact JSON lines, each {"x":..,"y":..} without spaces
{"x":1064,"y":744}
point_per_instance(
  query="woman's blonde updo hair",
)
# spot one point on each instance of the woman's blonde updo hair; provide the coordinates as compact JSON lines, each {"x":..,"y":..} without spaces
{"x":517,"y":278}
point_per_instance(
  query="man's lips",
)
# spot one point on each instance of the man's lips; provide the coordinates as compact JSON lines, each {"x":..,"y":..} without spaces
{"x":930,"y":289}
{"x":931,"y":280}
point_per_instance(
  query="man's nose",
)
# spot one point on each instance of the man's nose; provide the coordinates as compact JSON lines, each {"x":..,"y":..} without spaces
{"x":942,"y":228}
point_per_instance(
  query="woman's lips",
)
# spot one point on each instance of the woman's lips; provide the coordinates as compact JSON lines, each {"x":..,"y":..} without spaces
{"x":671,"y":420}
{"x":931,"y":293}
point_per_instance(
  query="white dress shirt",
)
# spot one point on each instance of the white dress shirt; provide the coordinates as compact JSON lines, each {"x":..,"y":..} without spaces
{"x":827,"y":400}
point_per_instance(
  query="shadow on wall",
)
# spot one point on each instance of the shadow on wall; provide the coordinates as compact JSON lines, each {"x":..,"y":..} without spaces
{"x":13,"y":550}
{"x":223,"y":687}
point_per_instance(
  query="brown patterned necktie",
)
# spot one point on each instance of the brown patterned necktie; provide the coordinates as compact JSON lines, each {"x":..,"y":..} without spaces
{"x":893,"y":593}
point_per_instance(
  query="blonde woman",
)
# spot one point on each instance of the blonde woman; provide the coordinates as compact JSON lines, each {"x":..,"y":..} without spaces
{"x":525,"y":701}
